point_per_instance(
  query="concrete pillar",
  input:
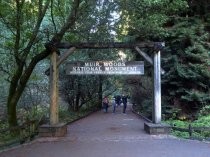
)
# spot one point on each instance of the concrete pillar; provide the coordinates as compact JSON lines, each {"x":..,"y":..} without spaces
{"x":156,"y":118}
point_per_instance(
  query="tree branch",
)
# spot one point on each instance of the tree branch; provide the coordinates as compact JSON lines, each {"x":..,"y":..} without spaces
{"x":18,"y":31}
{"x":41,"y":14}
{"x":69,"y":22}
{"x":6,"y":23}
{"x":28,"y":71}
{"x":52,"y":16}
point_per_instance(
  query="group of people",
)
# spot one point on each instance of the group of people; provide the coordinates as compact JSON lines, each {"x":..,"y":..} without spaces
{"x":116,"y":101}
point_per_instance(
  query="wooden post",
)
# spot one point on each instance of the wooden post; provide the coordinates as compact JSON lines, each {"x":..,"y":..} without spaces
{"x":156,"y":118}
{"x":54,"y":129}
{"x":54,"y":89}
{"x":190,"y":130}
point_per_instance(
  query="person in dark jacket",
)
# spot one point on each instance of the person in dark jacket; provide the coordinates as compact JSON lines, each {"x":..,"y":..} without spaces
{"x":118,"y":100}
{"x":124,"y":101}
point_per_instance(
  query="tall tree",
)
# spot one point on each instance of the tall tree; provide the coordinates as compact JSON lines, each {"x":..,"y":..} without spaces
{"x":24,"y":24}
{"x":144,"y":20}
{"x":187,"y":63}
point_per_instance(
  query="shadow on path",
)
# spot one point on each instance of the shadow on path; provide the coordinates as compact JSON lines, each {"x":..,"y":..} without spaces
{"x":110,"y":135}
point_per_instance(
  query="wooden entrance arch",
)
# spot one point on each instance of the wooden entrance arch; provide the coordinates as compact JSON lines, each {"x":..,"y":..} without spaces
{"x":155,"y":61}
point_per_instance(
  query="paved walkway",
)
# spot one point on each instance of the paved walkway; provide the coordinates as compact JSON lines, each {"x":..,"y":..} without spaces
{"x":110,"y":135}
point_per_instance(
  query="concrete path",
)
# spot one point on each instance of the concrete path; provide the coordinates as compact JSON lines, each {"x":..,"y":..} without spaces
{"x":110,"y":135}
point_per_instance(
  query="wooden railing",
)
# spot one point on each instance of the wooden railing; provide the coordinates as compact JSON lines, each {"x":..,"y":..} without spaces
{"x":190,"y":130}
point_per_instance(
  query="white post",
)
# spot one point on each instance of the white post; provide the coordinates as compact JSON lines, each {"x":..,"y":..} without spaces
{"x":156,"y":118}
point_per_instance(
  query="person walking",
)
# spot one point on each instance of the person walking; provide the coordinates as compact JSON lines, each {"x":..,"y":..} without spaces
{"x":114,"y":104}
{"x":118,"y":100}
{"x":124,"y":101}
{"x":105,"y":104}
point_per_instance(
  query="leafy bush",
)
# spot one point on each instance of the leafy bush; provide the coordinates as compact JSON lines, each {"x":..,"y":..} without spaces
{"x":202,"y":121}
{"x":178,"y":123}
{"x":204,"y":111}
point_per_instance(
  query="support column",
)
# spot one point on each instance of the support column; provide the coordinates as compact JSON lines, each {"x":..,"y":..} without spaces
{"x":156,"y":127}
{"x":54,"y":129}
{"x":54,"y":90}
{"x":156,"y":118}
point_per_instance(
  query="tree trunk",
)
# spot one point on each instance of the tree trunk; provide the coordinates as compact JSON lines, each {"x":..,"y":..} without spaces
{"x":18,"y":85}
{"x":100,"y":92}
{"x":70,"y":104}
{"x":11,"y":111}
{"x":12,"y":99}
{"x":78,"y":95}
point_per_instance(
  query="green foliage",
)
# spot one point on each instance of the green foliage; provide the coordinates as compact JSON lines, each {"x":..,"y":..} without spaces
{"x":202,"y":121}
{"x":169,"y":112}
{"x":145,"y":19}
{"x":204,"y":111}
{"x":37,"y":112}
{"x":196,"y":96}
{"x":186,"y":56}
{"x":7,"y":139}
{"x":186,"y":80}
{"x":18,"y":135}
{"x":77,"y":93}
{"x":180,"y":134}
{"x":180,"y":124}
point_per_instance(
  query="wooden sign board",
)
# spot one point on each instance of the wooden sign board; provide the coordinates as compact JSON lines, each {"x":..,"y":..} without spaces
{"x":105,"y":68}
